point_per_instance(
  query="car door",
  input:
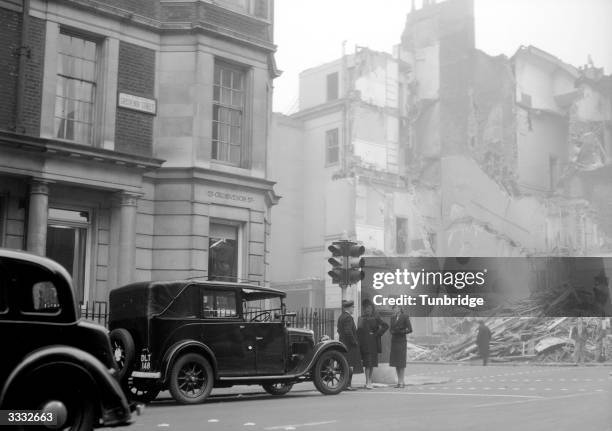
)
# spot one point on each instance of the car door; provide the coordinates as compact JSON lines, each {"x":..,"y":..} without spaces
{"x":266,"y":331}
{"x":224,"y":332}
{"x":269,"y":341}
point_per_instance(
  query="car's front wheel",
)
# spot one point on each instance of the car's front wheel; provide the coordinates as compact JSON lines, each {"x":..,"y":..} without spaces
{"x":73,"y":405}
{"x":331,"y":373}
{"x":191,"y":379}
{"x":277,"y":389}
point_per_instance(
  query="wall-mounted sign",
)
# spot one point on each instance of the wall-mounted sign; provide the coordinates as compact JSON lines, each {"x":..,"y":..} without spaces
{"x":141,"y":104}
{"x":230,"y":196}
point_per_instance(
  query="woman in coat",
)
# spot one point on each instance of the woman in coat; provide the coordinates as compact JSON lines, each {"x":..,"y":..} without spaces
{"x":400,"y":327}
{"x":370,"y":328}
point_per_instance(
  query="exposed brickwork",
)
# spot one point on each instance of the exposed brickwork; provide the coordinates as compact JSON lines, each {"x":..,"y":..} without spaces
{"x":148,"y":8}
{"x":134,"y":130}
{"x":10,"y":34}
{"x":236,"y":22}
{"x":178,"y":12}
{"x":34,"y":77}
{"x":10,"y":30}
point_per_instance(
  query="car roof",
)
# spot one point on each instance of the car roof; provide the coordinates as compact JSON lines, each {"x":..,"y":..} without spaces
{"x":45,"y":262}
{"x":178,"y":285}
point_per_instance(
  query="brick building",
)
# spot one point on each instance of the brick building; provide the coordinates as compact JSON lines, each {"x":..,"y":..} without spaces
{"x":133,"y":137}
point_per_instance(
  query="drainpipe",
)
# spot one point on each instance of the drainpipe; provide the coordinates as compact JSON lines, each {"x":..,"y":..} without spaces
{"x":24,"y":53}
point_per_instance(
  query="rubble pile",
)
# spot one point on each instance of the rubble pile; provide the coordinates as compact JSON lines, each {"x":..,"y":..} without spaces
{"x":512,"y":338}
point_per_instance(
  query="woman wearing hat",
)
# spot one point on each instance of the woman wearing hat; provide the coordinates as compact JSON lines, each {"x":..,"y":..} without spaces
{"x":348,"y":336}
{"x":370,"y":328}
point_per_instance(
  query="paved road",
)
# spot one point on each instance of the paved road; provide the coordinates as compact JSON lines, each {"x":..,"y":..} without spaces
{"x":497,"y":398}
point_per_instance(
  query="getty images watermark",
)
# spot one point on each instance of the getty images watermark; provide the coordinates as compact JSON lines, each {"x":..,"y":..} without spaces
{"x":456,"y":280}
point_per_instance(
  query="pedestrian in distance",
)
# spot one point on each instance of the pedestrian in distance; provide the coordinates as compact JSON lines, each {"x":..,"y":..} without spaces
{"x":370,"y":328}
{"x":483,"y":340}
{"x":347,"y":333}
{"x":578,"y":333}
{"x":399,"y":327}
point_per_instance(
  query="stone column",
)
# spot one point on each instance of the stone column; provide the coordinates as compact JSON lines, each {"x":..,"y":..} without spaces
{"x":38,"y":213}
{"x":127,"y":238}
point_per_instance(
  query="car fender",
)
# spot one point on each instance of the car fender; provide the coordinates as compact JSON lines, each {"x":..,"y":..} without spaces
{"x":186,"y":345}
{"x":113,"y":403}
{"x":320,"y":348}
{"x":324,"y":346}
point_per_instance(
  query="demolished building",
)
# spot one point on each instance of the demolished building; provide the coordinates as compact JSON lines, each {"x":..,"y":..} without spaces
{"x":441,"y":149}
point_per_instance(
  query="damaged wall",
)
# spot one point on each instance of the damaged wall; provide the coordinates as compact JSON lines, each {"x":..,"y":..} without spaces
{"x":492,"y":121}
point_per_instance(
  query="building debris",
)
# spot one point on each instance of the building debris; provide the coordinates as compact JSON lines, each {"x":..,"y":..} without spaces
{"x":540,"y":339}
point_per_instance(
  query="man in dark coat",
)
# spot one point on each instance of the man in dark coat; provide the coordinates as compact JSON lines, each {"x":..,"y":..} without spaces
{"x":348,"y":336}
{"x":482,"y":340}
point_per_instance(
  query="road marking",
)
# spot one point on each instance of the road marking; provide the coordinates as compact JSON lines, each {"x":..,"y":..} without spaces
{"x":213,"y":420}
{"x":163,"y":425}
{"x":533,"y":399}
{"x":249,"y":424}
{"x":294,"y":426}
{"x":447,"y":394}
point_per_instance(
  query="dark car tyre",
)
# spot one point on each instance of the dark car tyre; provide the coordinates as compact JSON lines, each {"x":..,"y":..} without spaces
{"x":191,"y":379}
{"x":277,"y":389}
{"x":44,"y":392}
{"x":330,"y":373}
{"x":141,"y":390}
{"x":124,"y":351}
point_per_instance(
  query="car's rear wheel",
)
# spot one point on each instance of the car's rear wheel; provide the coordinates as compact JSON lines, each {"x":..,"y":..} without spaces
{"x":277,"y":389}
{"x":124,"y":351}
{"x":330,"y":373}
{"x":191,"y":379}
{"x":142,"y":390}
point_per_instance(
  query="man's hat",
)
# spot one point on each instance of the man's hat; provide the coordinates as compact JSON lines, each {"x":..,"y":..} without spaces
{"x":347,"y":304}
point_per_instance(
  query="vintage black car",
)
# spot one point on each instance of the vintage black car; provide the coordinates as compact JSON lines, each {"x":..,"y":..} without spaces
{"x":51,"y":361}
{"x":192,"y":335}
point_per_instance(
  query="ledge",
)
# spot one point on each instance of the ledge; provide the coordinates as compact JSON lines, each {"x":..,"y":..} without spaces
{"x":55,"y":148}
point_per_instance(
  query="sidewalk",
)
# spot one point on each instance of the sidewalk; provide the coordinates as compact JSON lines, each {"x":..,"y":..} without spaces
{"x":383,"y":378}
{"x":493,"y":362}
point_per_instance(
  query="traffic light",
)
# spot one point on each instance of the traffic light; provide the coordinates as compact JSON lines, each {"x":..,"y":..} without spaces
{"x":337,"y":261}
{"x":355,"y":264}
{"x":346,"y":263}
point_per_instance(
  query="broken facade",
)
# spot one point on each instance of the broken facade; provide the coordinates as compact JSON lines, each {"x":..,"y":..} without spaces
{"x":443,"y":150}
{"x":519,"y":145}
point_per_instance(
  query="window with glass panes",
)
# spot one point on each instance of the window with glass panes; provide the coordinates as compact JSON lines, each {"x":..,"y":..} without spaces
{"x":332,"y":149}
{"x":228,"y":114}
{"x":76,"y":88}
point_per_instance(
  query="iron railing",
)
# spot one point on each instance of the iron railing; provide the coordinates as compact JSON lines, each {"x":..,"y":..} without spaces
{"x":95,"y":311}
{"x":319,"y":320}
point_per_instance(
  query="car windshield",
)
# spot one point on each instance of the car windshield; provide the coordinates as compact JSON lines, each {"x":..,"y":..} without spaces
{"x":261,"y":306}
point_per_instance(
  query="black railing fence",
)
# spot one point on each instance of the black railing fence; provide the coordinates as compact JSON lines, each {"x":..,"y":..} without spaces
{"x":96,"y":311}
{"x":319,"y":320}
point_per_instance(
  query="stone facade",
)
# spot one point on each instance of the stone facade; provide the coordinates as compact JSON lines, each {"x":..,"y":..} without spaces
{"x":139,"y":195}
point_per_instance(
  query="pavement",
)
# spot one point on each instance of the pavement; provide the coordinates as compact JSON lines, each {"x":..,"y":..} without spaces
{"x":443,"y":397}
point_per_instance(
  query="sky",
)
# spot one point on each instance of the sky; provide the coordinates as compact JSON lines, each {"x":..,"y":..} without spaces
{"x":311,"y":32}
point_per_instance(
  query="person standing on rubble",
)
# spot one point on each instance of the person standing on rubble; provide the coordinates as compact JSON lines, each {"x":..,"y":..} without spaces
{"x":579,"y":335}
{"x":483,"y":339}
